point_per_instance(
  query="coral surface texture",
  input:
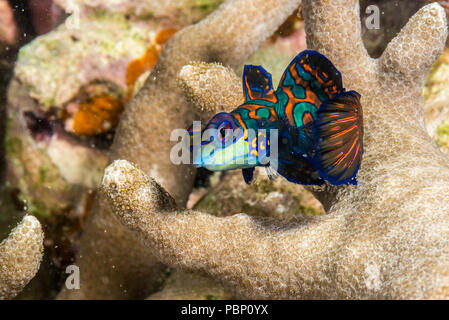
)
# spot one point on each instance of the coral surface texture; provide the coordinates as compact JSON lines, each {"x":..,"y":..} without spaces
{"x":387,"y":237}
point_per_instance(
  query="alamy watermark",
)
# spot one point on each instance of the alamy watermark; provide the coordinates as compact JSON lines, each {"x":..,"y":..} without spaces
{"x":73,"y":280}
{"x":260,"y":146}
{"x":372,"y":21}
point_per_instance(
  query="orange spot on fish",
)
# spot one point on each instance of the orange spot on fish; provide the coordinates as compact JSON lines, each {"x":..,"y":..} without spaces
{"x":343,"y":120}
{"x":344,"y":155}
{"x":341,"y":133}
{"x":307,"y":118}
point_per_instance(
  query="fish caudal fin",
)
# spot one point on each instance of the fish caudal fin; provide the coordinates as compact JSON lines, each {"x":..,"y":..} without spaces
{"x":338,"y":138}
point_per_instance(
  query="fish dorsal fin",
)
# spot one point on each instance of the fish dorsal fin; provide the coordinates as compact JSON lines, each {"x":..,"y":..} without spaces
{"x":257,"y":82}
{"x":310,"y":70}
{"x":248,"y":174}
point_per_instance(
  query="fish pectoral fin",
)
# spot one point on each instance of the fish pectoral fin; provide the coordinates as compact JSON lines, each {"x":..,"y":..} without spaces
{"x":257,"y":82}
{"x":248,"y":174}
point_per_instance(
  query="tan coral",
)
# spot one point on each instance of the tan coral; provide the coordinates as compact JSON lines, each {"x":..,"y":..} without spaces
{"x":229,"y":35}
{"x":211,"y":86}
{"x":387,"y":237}
{"x":188,"y":286}
{"x":20,"y":257}
{"x":262,"y":198}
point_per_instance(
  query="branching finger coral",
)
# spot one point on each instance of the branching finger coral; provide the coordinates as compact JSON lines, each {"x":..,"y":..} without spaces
{"x":200,"y":82}
{"x":387,"y":237}
{"x":20,"y":257}
{"x":123,"y":268}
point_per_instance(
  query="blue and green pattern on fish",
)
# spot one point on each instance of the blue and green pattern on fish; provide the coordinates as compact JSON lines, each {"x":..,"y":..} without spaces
{"x":310,"y":130}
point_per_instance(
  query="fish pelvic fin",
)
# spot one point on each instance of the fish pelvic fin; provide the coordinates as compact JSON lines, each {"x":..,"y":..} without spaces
{"x":248,"y":174}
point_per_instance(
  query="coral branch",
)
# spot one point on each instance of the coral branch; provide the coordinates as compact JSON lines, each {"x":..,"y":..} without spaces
{"x":200,"y":82}
{"x":412,"y":62}
{"x":387,"y":237}
{"x":8,"y":28}
{"x":20,"y":257}
{"x":334,"y":29}
{"x":200,"y":242}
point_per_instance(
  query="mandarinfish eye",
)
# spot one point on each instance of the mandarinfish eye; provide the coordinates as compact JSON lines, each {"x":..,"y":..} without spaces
{"x":224,"y":131}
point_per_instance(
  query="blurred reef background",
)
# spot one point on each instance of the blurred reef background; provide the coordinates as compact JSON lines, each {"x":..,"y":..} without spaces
{"x":68,"y":69}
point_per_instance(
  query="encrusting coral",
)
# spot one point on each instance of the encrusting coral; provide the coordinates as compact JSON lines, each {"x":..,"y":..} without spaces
{"x":387,"y":237}
{"x":20,"y":256}
{"x":124,"y":268}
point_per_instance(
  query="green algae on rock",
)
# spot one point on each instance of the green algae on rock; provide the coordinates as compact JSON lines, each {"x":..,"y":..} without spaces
{"x":49,"y":169}
{"x":54,"y":170}
{"x":442,"y":135}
